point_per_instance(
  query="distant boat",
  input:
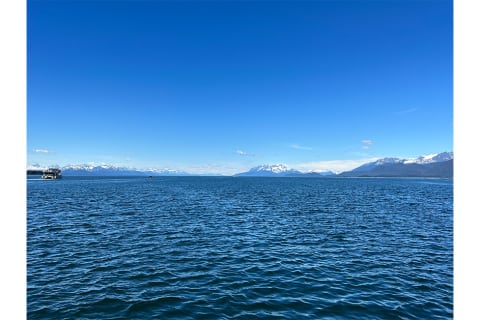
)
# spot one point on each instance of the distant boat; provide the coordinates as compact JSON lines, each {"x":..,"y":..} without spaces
{"x":52,"y":173}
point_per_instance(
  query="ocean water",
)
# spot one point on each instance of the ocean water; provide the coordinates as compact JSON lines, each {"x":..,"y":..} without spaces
{"x":239,"y":248}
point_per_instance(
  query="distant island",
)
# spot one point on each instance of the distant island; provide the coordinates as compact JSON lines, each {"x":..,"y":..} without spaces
{"x":438,"y":165}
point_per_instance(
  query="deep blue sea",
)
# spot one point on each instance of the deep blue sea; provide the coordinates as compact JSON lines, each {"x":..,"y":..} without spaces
{"x":239,"y":248}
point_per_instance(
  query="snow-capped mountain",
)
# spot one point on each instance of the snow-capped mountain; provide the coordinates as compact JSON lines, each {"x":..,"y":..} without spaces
{"x":425,"y":159}
{"x":431,"y":158}
{"x":92,"y":167}
{"x":379,"y":162}
{"x":431,"y":165}
{"x":275,"y":168}
{"x":269,"y":170}
{"x":109,"y":170}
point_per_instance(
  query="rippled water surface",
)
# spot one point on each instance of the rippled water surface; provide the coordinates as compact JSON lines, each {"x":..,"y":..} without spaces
{"x":239,"y":248}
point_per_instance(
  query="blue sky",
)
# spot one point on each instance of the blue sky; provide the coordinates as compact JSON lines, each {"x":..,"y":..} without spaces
{"x":222,"y":86}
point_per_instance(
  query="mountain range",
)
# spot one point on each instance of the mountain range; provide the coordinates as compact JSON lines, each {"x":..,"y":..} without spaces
{"x":109,"y":170}
{"x":439,"y":165}
{"x":280,"y":170}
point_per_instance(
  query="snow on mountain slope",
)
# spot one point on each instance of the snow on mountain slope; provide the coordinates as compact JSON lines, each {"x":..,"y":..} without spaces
{"x":105,"y":169}
{"x":424,"y":159}
{"x":431,"y":158}
{"x":430,"y":165}
{"x":275,"y":168}
{"x":269,"y":170}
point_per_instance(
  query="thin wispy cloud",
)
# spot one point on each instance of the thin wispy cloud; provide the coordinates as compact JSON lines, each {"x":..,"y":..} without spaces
{"x":244,"y":153}
{"x":366,"y":144}
{"x":41,"y":151}
{"x":300,"y":147}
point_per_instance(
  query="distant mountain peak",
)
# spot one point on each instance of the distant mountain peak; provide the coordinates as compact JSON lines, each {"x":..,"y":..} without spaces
{"x":274,"y":170}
